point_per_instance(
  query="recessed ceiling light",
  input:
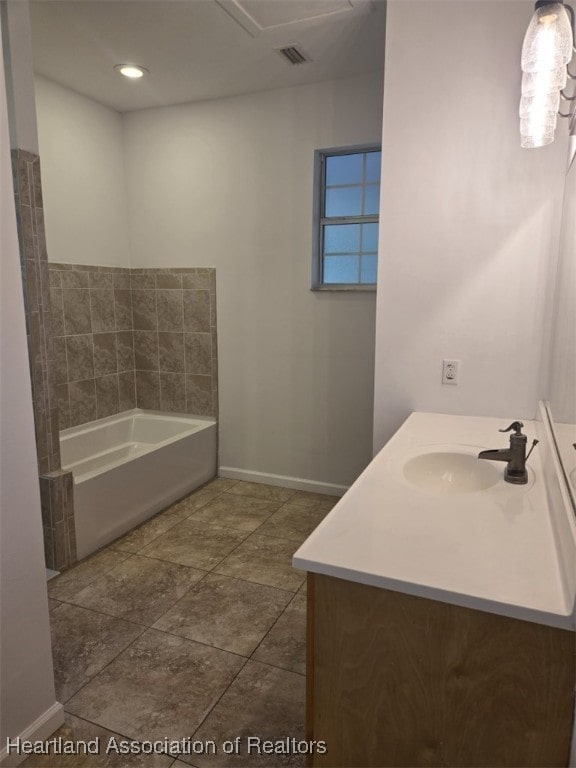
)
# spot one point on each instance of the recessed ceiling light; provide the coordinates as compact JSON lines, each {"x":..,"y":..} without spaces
{"x":133,"y":71}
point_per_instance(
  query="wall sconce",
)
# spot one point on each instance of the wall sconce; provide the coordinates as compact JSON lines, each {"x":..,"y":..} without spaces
{"x":546,"y":53}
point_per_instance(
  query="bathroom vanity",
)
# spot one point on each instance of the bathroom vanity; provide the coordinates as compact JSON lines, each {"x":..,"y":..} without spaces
{"x":441,"y":607}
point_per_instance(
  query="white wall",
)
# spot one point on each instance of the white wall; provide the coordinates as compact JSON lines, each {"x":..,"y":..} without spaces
{"x":469,"y":220}
{"x":28,"y":706}
{"x":228,"y":183}
{"x":562,"y":389}
{"x":83,"y":182}
{"x":17,"y":46}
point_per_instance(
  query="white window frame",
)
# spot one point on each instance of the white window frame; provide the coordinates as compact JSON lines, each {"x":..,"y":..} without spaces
{"x":320,"y":220}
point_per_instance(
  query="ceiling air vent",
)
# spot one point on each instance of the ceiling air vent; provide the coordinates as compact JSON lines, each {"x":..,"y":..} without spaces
{"x":293,"y":55}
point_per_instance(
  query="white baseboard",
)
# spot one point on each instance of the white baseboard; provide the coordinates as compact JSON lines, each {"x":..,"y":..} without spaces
{"x":298,"y":483}
{"x":42,"y":728}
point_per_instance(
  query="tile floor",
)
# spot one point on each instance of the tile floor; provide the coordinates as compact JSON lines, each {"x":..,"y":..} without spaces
{"x":192,"y":626}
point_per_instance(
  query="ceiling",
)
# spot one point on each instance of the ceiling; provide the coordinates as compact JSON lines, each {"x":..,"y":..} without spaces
{"x":201,"y":49}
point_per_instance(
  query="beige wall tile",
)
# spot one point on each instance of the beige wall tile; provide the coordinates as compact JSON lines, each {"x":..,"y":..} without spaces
{"x":199,"y":395}
{"x":101,"y":280}
{"x":170,"y":310}
{"x":196,"y":311}
{"x":102,"y":310}
{"x":148,"y":390}
{"x":123,"y":308}
{"x":146,"y":350}
{"x":196,"y":281}
{"x":75,"y":279}
{"x":169,"y":281}
{"x":142,"y":280}
{"x":126,"y":390}
{"x":76,"y":311}
{"x":144,"y":314}
{"x":198,"y":353}
{"x":80,"y":355}
{"x":173,"y":392}
{"x":107,"y":396}
{"x":57,"y":306}
{"x":121,"y":280}
{"x":82,"y":402}
{"x":63,"y":397}
{"x":171,"y":352}
{"x":125,"y":350}
{"x":105,"y":355}
{"x":60,"y":364}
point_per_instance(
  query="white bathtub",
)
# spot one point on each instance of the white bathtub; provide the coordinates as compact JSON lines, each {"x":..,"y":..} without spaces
{"x":129,"y":466}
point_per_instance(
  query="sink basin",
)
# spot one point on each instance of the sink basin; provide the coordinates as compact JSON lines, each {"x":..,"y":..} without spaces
{"x":451,"y":472}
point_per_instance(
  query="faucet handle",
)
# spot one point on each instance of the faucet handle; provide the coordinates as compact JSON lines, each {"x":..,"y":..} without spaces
{"x":516,"y":426}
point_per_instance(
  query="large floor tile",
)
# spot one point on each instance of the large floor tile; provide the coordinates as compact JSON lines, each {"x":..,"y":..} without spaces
{"x":265,"y":560}
{"x":194,"y":501}
{"x":161,"y":687}
{"x":285,"y":644}
{"x":83,"y":643}
{"x":309,"y":499}
{"x":239,"y":512}
{"x":79,"y":576}
{"x":262,"y":491}
{"x":140,"y":589}
{"x":293,"y":522}
{"x":263,"y":702}
{"x":76,"y":730}
{"x":194,"y":543}
{"x":146,"y":533}
{"x":221,"y":484}
{"x":227,"y":613}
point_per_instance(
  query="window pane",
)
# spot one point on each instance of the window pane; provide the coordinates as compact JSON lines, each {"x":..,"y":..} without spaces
{"x":344,"y":169}
{"x":342,"y":238}
{"x":349,"y":209}
{"x":371,"y":200}
{"x":341,"y":269}
{"x":369,"y":237}
{"x":368,"y":268}
{"x":344,"y":201}
{"x":373,"y":160}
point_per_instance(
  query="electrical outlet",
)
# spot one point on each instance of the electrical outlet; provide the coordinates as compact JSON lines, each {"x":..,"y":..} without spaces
{"x":450,"y":371}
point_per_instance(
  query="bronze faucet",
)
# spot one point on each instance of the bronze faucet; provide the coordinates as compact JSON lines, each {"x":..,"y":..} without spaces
{"x":515,"y":455}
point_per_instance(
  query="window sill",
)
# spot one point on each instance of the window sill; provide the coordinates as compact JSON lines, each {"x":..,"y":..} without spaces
{"x":344,"y":288}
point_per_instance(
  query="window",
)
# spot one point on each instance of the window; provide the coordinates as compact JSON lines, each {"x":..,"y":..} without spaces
{"x":347,"y":201}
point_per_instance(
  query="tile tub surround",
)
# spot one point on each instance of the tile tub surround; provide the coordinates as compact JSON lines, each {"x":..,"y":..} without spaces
{"x":127,"y":338}
{"x":57,"y":504}
{"x":35,"y":281}
{"x":136,"y":629}
{"x":55,"y":488}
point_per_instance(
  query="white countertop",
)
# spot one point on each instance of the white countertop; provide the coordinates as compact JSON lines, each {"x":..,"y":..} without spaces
{"x":492,"y":550}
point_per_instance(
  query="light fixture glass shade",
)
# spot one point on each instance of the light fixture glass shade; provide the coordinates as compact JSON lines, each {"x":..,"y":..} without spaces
{"x":540,"y":104}
{"x":132,"y":71}
{"x":537,"y":123}
{"x":544,"y":81}
{"x":548,"y":40}
{"x":539,"y":140}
